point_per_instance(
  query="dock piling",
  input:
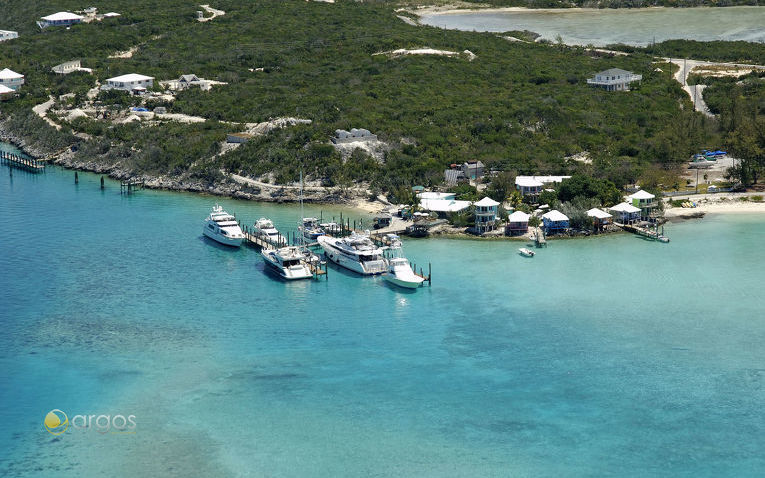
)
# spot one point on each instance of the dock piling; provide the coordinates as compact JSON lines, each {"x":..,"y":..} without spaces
{"x":76,"y":178}
{"x":102,"y":182}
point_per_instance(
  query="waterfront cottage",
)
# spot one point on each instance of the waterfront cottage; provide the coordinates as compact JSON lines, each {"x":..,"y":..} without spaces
{"x":8,"y":35}
{"x":600,"y":218}
{"x":132,"y":82}
{"x":486,"y":215}
{"x":11,"y":79}
{"x":555,"y":221}
{"x":645,"y":201}
{"x":626,"y":213}
{"x":59,"y":19}
{"x":614,"y":79}
{"x":517,"y":224}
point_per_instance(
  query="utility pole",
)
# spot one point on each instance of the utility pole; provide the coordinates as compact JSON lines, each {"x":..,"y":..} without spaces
{"x":697,"y":180}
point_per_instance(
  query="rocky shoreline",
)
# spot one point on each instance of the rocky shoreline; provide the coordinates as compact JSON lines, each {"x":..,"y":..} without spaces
{"x":228,"y":187}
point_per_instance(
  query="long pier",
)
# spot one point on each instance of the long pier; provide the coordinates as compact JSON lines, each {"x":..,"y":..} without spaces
{"x":17,"y":161}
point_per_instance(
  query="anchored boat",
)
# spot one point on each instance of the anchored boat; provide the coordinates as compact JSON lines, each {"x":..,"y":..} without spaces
{"x":290,"y":262}
{"x":355,"y":252}
{"x":526,"y":252}
{"x":265,"y":228}
{"x":400,"y":272}
{"x":222,"y":227}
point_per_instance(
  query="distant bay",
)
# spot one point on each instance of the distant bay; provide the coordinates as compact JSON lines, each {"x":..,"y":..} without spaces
{"x":601,"y":27}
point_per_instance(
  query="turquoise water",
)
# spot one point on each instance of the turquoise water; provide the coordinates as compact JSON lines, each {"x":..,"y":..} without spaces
{"x":600,"y":27}
{"x":605,"y":356}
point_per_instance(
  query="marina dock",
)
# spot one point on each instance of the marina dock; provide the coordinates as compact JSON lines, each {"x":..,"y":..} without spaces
{"x":130,"y":186}
{"x":17,"y":161}
{"x":539,"y":237}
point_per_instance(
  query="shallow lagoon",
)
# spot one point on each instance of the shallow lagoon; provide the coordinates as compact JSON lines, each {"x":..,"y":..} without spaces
{"x":601,"y":27}
{"x":609,"y":355}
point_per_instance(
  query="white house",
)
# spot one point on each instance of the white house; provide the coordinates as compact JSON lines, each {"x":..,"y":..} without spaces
{"x":517,"y":223}
{"x":528,"y":186}
{"x":69,"y":67}
{"x":132,"y":82}
{"x":614,"y":79}
{"x":11,"y":79}
{"x":626,"y":213}
{"x":59,"y":19}
{"x":532,"y":185}
{"x":486,"y":215}
{"x":8,"y":35}
{"x":645,"y":201}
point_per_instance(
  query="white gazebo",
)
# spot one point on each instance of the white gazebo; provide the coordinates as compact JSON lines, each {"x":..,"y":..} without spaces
{"x":626,"y":213}
{"x":486,"y":215}
{"x":11,"y":79}
{"x":517,"y":223}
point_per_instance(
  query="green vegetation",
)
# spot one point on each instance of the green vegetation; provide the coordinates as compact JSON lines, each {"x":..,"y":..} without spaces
{"x":516,"y":107}
{"x":724,"y":51}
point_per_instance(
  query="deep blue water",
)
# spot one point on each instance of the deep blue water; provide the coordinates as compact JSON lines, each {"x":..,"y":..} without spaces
{"x":602,"y":356}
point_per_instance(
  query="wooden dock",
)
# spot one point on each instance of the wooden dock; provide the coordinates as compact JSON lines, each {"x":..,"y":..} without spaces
{"x":539,"y":237}
{"x":130,"y":186}
{"x":17,"y":161}
{"x":651,"y":234}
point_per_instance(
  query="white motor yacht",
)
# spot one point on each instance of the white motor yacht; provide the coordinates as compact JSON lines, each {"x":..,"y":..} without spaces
{"x":222,"y":227}
{"x":355,"y":252}
{"x":400,"y":271}
{"x":265,"y":228}
{"x":290,"y":262}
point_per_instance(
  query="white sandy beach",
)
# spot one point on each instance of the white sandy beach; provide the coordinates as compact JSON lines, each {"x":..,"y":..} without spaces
{"x":717,"y":206}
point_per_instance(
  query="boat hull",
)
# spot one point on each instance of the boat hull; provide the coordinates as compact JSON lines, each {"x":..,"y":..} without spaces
{"x":226,"y":241}
{"x":407,"y":284}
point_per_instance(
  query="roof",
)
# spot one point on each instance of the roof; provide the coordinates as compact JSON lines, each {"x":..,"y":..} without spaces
{"x":4,"y":89}
{"x":188,"y":78}
{"x":624,"y":207}
{"x":7,"y":74}
{"x":614,"y":72}
{"x":111,"y":14}
{"x":130,"y":78}
{"x":487,"y":202}
{"x":62,"y":16}
{"x":642,"y":195}
{"x":527,"y":182}
{"x":444,"y":205}
{"x":555,"y":216}
{"x":519,"y":216}
{"x":435,"y":195}
{"x":598,"y":213}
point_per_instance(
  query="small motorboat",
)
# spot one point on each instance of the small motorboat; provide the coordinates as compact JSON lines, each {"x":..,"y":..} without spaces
{"x":400,"y":271}
{"x":526,"y":252}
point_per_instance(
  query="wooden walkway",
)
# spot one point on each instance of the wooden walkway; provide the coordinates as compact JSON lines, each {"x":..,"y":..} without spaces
{"x":539,"y":237}
{"x":652,"y":234}
{"x":16,"y":161}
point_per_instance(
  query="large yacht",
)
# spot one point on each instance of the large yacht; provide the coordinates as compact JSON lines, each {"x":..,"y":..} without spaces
{"x":290,"y":262}
{"x":355,"y":252}
{"x":400,"y":271}
{"x":222,"y":227}
{"x":311,"y":229}
{"x":265,"y":228}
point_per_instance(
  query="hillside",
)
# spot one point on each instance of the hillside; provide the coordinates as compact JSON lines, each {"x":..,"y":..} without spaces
{"x":515,"y":106}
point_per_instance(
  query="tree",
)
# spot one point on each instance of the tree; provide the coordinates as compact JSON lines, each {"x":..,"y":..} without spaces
{"x":501,"y":186}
